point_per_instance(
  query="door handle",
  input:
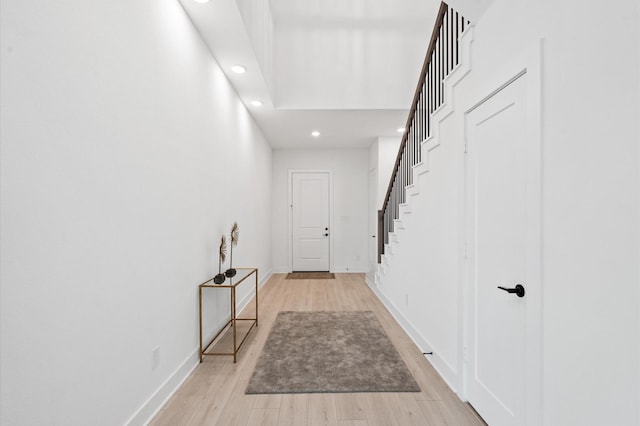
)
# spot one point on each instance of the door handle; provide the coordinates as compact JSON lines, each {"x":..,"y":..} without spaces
{"x":518,"y":290}
{"x":326,"y":235}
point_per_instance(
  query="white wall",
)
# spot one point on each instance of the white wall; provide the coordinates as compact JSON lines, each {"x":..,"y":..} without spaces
{"x":590,"y":198}
{"x":342,"y":53}
{"x":387,"y":152}
{"x":420,"y":285}
{"x":349,"y":234}
{"x":473,"y":9}
{"x":125,"y":155}
{"x":258,"y":22}
{"x":591,"y":215}
{"x":382,"y":158}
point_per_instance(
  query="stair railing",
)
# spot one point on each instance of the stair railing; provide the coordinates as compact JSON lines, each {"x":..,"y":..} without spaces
{"x":442,"y":57}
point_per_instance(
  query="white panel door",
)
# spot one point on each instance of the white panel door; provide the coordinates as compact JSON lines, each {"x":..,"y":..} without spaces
{"x":373,"y":221}
{"x":310,"y":224}
{"x":498,"y":187}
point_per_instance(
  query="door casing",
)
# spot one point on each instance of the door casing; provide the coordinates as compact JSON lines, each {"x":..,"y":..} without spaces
{"x":527,"y":62}
{"x":290,"y":173}
{"x":373,"y":222}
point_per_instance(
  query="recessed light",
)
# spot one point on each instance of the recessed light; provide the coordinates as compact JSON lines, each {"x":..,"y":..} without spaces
{"x":238,"y":69}
{"x":256,"y":103}
{"x":201,"y":1}
{"x":315,"y":133}
{"x":400,"y":129}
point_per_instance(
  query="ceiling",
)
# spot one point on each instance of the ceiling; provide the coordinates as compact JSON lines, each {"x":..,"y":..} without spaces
{"x":346,"y":68}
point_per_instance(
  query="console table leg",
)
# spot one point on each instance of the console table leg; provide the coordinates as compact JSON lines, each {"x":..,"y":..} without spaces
{"x":256,"y":297}
{"x":233,"y":322}
{"x":200,"y":315}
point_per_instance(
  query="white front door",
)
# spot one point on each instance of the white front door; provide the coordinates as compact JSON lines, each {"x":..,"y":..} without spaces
{"x":502,"y":211}
{"x":310,"y":221}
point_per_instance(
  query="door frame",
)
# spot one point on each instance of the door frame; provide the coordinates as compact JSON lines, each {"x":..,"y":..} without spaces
{"x":528,"y":63}
{"x":372,"y":222}
{"x":290,"y":173}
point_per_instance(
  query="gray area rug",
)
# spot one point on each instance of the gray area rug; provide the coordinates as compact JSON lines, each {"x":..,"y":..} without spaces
{"x":313,"y":352}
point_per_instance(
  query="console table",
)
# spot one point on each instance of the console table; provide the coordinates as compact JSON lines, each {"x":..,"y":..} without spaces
{"x":231,"y":283}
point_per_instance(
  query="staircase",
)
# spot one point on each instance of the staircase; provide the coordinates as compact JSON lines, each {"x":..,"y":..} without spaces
{"x":442,"y":60}
{"x":410,"y":234}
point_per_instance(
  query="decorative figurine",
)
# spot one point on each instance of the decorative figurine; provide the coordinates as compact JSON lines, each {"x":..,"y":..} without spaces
{"x":234,"y":241}
{"x":219,"y":279}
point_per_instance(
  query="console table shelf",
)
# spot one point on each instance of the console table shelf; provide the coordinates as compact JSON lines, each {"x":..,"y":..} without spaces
{"x":231,"y":283}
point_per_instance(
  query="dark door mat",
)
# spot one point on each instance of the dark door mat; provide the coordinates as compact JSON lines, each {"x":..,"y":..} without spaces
{"x":311,"y":276}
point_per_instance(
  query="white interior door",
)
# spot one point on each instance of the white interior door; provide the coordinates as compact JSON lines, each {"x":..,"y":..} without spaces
{"x":499,"y":193}
{"x":310,"y":221}
{"x":373,"y":221}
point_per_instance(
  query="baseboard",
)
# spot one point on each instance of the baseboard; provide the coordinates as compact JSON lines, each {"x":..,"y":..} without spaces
{"x":350,"y":270}
{"x":370,"y":279}
{"x":443,"y":369}
{"x":154,"y":404}
{"x":406,"y":325}
{"x":261,"y":282}
{"x":449,"y":372}
{"x":265,"y":277}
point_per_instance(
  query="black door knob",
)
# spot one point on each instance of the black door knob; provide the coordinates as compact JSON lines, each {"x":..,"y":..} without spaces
{"x":326,"y":235}
{"x":518,"y":290}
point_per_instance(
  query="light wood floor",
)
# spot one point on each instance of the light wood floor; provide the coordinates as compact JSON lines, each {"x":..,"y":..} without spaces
{"x":214,"y":393}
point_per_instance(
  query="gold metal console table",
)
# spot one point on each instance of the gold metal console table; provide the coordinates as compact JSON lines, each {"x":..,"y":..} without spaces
{"x":231,"y":283}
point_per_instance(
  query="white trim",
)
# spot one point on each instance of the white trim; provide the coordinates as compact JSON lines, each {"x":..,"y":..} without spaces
{"x":370,"y":280}
{"x":529,"y":63}
{"x":452,"y":376}
{"x":168,"y":388}
{"x":372,"y":264}
{"x":245,"y":300}
{"x":165,"y":391}
{"x":290,"y":216}
{"x":446,"y":371}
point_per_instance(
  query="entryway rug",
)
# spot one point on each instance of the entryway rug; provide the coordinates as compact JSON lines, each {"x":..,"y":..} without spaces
{"x":310,"y":276}
{"x":325,"y":352}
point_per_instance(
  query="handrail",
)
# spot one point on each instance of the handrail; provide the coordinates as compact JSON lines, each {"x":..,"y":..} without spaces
{"x":414,"y":103}
{"x":441,"y":58}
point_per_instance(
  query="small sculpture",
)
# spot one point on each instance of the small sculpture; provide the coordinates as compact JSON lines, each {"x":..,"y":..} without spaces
{"x":219,"y":279}
{"x":231,"y":272}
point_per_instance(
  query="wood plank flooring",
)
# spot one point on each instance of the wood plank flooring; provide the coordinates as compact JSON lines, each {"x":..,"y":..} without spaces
{"x":214,"y":393}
